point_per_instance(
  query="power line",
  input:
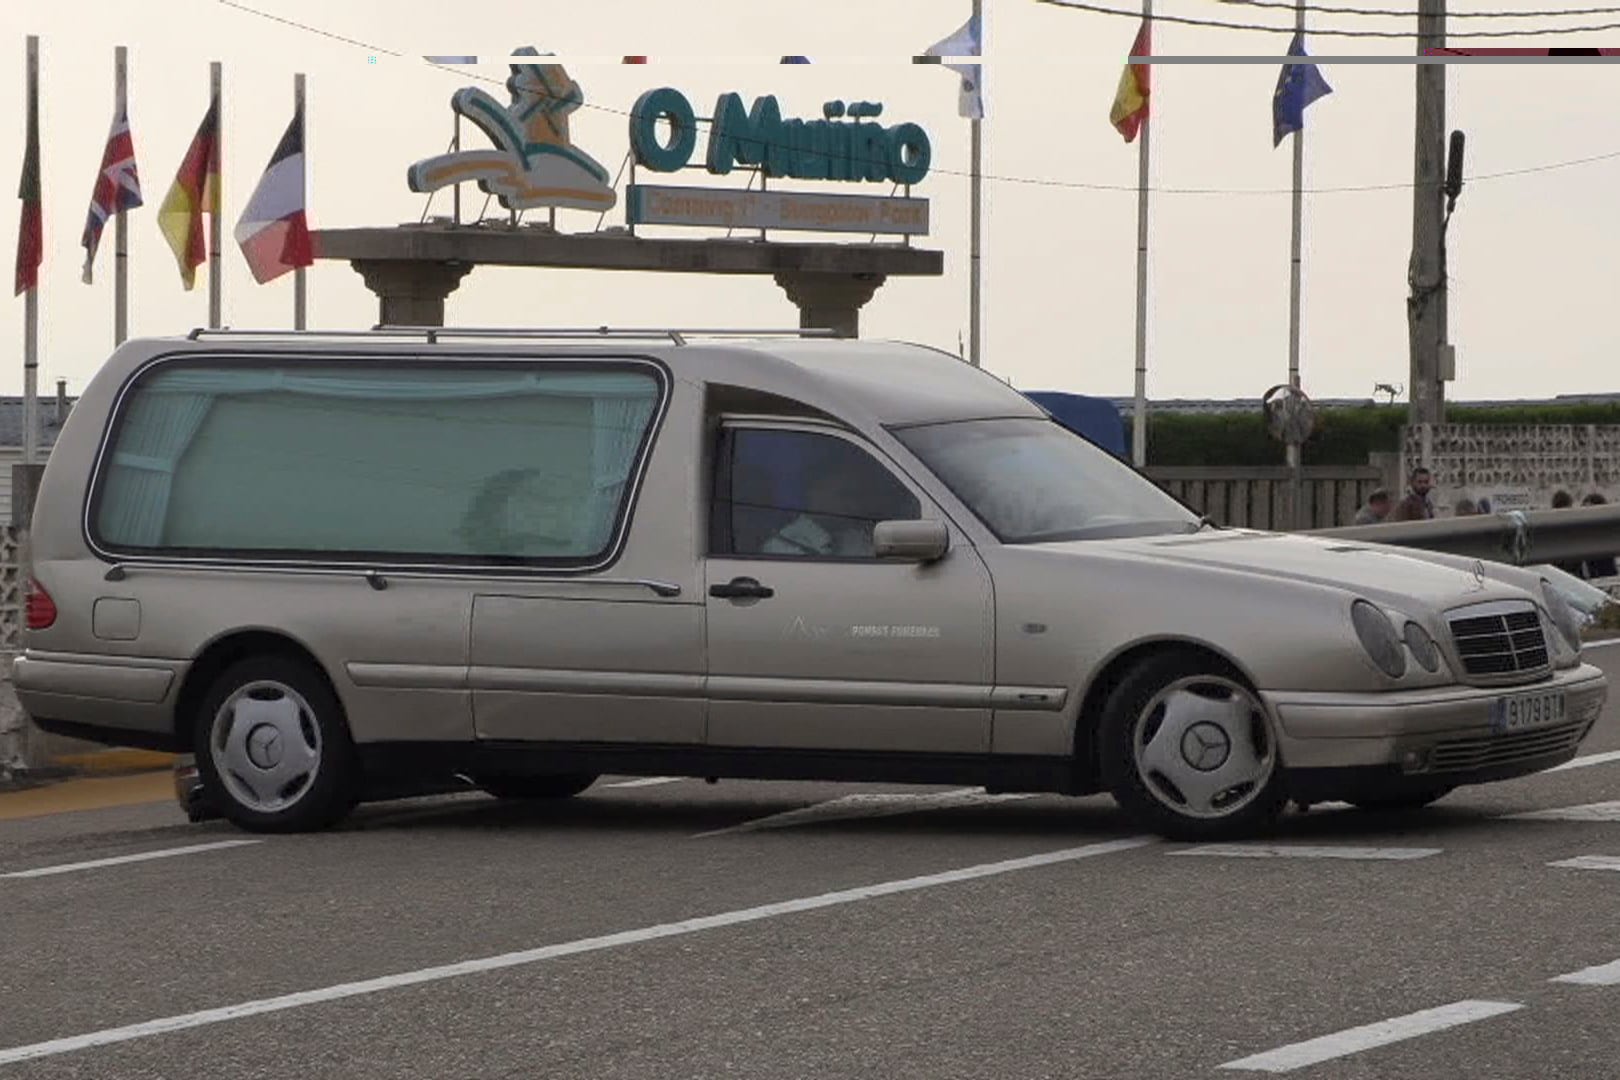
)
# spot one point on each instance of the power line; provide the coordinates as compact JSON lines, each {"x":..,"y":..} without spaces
{"x":1219,"y":24}
{"x":1390,"y":13}
{"x":1028,"y":181}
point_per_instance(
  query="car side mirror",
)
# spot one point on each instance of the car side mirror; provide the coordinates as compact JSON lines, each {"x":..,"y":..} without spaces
{"x":911,"y":541}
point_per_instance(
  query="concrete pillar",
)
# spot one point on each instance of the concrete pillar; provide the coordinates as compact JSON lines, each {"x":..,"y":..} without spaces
{"x":411,"y":292}
{"x":829,"y":301}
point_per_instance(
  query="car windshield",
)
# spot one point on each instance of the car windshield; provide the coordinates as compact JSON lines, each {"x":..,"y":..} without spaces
{"x":1035,"y":481}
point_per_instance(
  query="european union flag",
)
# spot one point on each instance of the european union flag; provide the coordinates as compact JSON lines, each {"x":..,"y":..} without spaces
{"x":1297,"y":86}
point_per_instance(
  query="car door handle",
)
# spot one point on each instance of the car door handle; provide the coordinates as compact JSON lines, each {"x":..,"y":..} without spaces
{"x":742,"y":588}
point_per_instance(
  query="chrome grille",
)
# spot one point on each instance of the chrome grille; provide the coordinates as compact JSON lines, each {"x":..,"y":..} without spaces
{"x":1500,"y":640}
{"x":1455,"y":755}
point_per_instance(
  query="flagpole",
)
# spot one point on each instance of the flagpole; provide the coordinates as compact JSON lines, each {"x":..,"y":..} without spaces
{"x":214,"y":227}
{"x":1143,"y":155}
{"x":1295,"y":463}
{"x":977,"y":212}
{"x":120,"y":225}
{"x":31,"y":297}
{"x":300,"y":295}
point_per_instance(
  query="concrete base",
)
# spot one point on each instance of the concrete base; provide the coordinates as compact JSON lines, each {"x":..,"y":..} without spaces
{"x":411,"y":292}
{"x":830,"y":301}
{"x":413,"y":269}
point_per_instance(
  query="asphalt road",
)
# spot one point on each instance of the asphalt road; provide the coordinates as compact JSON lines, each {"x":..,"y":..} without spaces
{"x":746,"y":929}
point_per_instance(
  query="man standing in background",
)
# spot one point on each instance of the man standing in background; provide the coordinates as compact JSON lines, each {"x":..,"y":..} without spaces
{"x":1416,"y":506}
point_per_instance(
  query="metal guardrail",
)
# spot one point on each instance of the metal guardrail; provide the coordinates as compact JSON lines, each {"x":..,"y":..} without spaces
{"x":1518,"y":537}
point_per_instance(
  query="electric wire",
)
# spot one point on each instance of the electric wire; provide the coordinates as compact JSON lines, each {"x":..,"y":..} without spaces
{"x":460,"y":71}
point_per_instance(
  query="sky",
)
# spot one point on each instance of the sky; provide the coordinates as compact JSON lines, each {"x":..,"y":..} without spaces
{"x":1535,"y":256}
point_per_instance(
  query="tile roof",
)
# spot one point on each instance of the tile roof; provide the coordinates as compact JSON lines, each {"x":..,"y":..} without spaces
{"x":11,"y":420}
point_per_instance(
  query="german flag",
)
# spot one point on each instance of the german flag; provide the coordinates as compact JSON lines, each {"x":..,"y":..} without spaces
{"x":194,"y":193}
{"x":1130,"y":109}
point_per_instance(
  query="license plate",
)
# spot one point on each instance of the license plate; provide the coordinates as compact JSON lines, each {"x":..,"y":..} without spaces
{"x":1528,"y":711}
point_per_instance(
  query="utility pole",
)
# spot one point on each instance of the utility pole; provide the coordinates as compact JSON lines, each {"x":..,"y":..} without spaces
{"x":1426,"y":302}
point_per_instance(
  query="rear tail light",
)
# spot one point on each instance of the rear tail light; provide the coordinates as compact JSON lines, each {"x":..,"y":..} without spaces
{"x":41,"y":608}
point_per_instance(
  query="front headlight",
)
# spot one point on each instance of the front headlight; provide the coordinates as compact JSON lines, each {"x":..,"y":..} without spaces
{"x":1378,"y":637}
{"x":1564,"y":615}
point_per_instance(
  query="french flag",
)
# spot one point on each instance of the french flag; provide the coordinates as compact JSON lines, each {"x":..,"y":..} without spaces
{"x":273,"y":232}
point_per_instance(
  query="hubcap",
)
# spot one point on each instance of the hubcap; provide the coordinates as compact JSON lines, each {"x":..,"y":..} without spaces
{"x":266,"y":746}
{"x":1203,"y":748}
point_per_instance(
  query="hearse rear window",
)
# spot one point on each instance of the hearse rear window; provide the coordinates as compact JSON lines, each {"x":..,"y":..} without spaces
{"x":475,"y":462}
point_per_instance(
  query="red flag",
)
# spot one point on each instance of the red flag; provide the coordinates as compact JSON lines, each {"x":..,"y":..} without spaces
{"x":1130,"y":109}
{"x":30,"y":228}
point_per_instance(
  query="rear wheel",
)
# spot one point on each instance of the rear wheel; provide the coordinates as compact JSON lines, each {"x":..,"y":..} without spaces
{"x":543,"y":786}
{"x":1187,"y":749}
{"x":273,"y":749}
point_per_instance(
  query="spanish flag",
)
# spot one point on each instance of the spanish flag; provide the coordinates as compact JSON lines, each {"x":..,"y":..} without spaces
{"x":194,"y":193}
{"x":1130,"y":109}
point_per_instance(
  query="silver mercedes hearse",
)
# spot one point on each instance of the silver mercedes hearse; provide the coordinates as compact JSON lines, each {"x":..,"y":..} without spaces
{"x":332,"y":565}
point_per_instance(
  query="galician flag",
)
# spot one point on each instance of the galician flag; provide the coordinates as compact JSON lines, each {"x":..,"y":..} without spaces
{"x":1130,"y":109}
{"x":274,"y":232}
{"x":967,"y":41}
{"x":118,"y":187}
{"x":195,"y":192}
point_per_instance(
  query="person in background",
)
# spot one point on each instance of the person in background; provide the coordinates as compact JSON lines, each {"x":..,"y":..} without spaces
{"x":1376,"y":510}
{"x":1465,"y":507}
{"x":1563,"y":500}
{"x":1416,"y":506}
{"x":1603,"y":567}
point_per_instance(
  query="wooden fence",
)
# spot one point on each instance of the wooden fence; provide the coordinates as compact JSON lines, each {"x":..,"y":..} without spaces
{"x":1256,"y":497}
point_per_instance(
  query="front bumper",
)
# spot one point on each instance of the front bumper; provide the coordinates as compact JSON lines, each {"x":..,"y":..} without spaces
{"x":1428,"y":738}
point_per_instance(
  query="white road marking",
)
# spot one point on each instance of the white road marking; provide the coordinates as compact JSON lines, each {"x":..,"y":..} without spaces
{"x":1300,"y":851}
{"x":1354,"y":1040}
{"x":1600,"y":811}
{"x":165,"y":853}
{"x":1605,"y":643}
{"x":1590,"y":862}
{"x":548,"y":952}
{"x":868,"y":804}
{"x":648,"y":781}
{"x":1590,"y":759}
{"x":1601,"y":975}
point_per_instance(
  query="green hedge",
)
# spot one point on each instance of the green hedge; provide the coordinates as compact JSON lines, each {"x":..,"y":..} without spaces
{"x":1342,"y":436}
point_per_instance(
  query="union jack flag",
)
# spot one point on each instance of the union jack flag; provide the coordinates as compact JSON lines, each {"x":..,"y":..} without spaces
{"x":118,"y":187}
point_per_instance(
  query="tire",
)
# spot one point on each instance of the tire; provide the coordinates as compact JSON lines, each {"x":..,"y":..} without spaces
{"x":1407,"y":800}
{"x":1220,"y":778}
{"x":274,"y":752}
{"x":543,"y":786}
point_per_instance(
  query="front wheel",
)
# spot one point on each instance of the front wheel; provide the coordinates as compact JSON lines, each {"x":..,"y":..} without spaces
{"x":1187,"y":748}
{"x":273,"y":749}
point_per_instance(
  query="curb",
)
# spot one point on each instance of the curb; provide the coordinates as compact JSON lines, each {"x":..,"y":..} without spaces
{"x":98,"y":763}
{"x":108,"y":762}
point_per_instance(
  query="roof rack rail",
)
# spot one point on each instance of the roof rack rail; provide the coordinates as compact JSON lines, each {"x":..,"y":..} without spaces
{"x":434,"y":333}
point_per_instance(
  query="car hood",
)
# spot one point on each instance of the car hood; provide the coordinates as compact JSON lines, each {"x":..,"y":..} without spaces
{"x":1405,"y":580}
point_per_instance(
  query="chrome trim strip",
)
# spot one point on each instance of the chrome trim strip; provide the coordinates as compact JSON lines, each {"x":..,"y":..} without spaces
{"x":407,"y":676}
{"x":615,"y":683}
{"x":378,"y":574}
{"x":842,"y":692}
